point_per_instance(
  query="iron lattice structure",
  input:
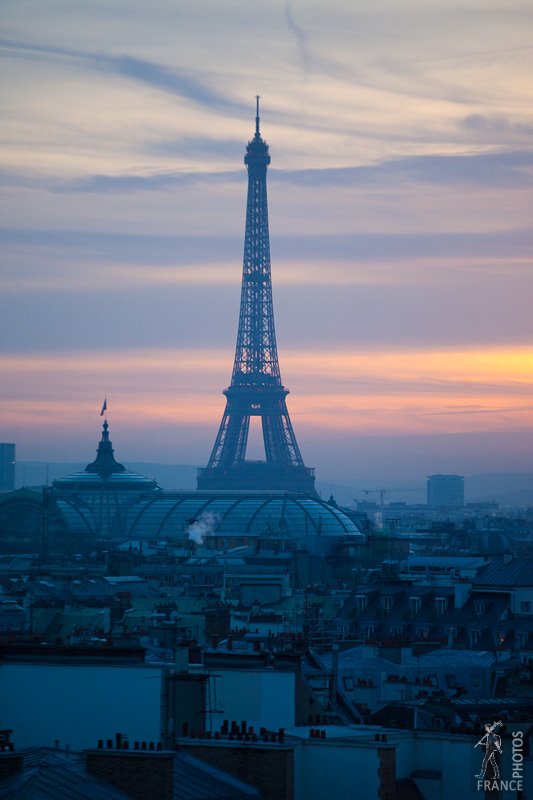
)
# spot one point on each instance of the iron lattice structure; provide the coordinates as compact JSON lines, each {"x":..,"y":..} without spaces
{"x":256,"y":388}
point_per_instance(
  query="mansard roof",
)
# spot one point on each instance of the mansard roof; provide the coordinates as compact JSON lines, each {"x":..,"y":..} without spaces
{"x":501,"y":572}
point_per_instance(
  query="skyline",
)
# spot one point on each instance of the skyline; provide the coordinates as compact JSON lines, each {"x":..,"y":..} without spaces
{"x":400,"y":200}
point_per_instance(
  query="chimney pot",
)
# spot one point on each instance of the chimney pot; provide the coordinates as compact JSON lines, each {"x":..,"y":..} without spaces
{"x":110,"y":744}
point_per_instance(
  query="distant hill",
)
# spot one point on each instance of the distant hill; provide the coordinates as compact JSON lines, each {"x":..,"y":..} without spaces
{"x":508,"y":488}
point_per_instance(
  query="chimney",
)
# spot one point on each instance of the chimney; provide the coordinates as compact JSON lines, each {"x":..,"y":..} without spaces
{"x":462,"y":593}
{"x":143,"y":774}
{"x":11,"y":763}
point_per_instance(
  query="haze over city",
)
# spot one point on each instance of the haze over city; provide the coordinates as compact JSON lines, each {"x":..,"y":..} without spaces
{"x":400,"y":201}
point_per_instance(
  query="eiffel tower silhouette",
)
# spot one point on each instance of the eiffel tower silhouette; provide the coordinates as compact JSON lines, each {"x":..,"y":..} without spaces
{"x":256,"y":388}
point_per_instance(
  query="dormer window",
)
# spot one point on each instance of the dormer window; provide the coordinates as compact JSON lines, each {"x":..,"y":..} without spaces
{"x":386,"y":603}
{"x":368,"y":632}
{"x":441,"y":604}
{"x":414,"y":606}
{"x":479,"y":607}
{"x":360,"y":604}
{"x":474,"y":637}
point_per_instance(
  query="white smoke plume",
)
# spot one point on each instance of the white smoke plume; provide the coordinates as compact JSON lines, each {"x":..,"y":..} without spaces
{"x":204,"y":526}
{"x":378,"y":520}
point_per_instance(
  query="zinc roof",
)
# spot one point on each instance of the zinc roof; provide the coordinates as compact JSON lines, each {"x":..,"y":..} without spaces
{"x":517,"y":572}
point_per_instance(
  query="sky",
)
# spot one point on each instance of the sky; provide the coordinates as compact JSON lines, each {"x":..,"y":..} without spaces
{"x":400,"y":206}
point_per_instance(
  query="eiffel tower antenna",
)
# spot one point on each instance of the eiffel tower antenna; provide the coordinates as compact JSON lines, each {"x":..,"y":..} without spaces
{"x":256,"y":388}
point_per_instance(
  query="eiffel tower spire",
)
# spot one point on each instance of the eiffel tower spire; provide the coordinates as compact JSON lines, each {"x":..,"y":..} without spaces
{"x":256,"y":388}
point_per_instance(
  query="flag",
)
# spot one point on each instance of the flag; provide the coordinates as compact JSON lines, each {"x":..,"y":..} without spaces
{"x":104,"y":408}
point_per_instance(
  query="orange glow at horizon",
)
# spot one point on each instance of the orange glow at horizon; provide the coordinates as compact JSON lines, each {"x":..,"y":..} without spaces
{"x":388,"y":391}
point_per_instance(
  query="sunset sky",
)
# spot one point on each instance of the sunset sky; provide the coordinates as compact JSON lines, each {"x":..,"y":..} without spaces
{"x":400,"y":203}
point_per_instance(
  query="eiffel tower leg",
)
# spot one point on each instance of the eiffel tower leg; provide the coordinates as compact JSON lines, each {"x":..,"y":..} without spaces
{"x":232,"y":438}
{"x":278,"y":436}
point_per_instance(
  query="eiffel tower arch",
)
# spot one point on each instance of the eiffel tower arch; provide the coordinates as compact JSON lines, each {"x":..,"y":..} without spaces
{"x":256,"y":388}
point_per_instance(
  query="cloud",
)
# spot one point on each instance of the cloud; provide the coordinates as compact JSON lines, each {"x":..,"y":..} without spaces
{"x":499,"y":124}
{"x":177,"y":82}
{"x":504,"y":169}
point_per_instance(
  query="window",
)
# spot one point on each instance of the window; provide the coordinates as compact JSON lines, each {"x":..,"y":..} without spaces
{"x":499,"y":637}
{"x":521,"y":638}
{"x":525,"y":607}
{"x":348,"y":684}
{"x":474,"y":637}
{"x":422,"y":633}
{"x":414,"y":606}
{"x":396,"y":631}
{"x":360,"y":603}
{"x":386,"y":603}
{"x":441,"y":604}
{"x":479,"y":606}
{"x":368,"y":631}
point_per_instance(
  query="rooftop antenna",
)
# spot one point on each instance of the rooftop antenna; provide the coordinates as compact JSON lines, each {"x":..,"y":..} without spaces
{"x":257,"y":115}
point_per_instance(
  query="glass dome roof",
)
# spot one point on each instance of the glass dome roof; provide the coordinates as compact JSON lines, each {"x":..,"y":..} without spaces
{"x":252,"y":513}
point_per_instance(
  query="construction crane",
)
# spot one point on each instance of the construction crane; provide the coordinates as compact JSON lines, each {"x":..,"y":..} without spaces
{"x":381,"y":492}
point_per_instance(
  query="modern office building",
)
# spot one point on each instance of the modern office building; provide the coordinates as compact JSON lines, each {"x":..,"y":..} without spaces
{"x":7,"y":467}
{"x":445,"y":490}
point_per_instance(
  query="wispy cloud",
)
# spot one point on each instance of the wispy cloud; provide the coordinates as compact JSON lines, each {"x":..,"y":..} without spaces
{"x":174,"y":81}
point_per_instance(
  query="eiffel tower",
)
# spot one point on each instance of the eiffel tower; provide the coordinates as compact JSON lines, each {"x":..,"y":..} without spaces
{"x":256,"y":388}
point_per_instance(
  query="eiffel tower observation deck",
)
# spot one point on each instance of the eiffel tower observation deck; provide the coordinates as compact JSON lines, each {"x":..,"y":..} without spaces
{"x":256,"y":388}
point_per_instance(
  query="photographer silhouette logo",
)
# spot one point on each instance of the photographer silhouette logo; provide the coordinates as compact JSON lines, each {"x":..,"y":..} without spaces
{"x":489,"y":778}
